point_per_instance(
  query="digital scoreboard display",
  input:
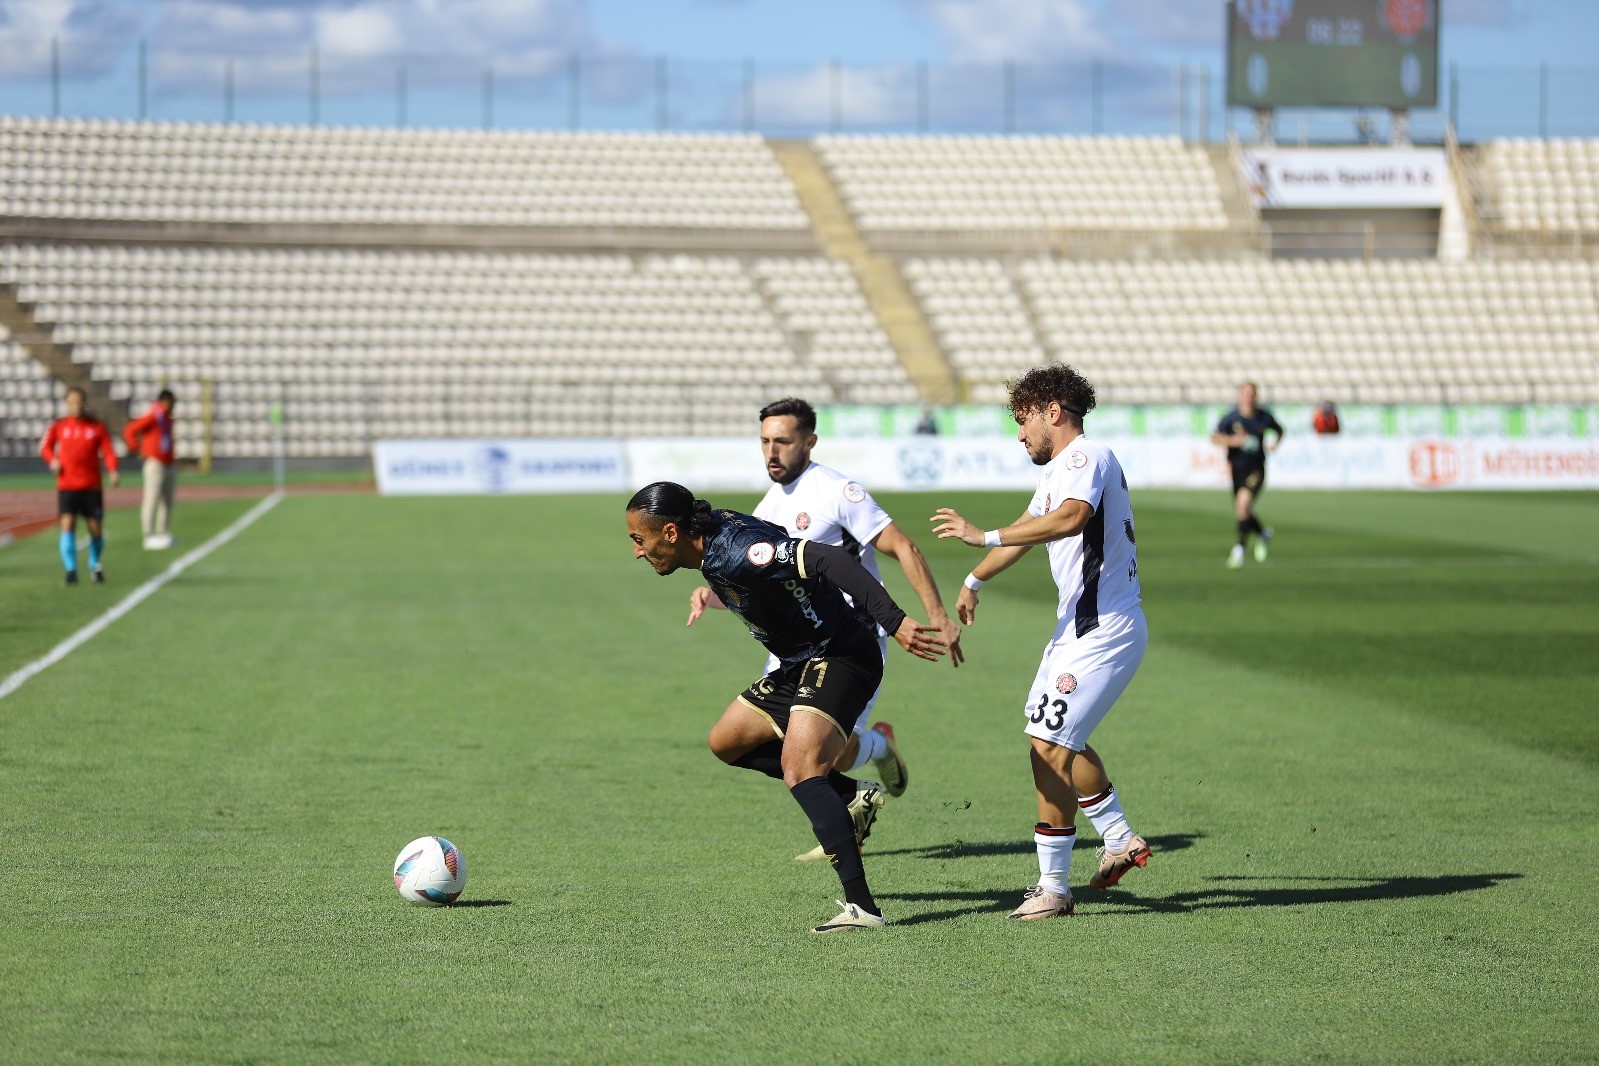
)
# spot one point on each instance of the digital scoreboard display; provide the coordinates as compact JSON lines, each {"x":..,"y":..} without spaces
{"x":1332,"y":53}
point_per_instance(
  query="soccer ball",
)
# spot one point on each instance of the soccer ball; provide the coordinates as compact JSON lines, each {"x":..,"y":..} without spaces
{"x":430,"y":872}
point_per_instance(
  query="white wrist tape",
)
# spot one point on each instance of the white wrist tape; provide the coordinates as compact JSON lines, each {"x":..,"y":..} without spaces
{"x":973,"y":582}
{"x":991,"y":539}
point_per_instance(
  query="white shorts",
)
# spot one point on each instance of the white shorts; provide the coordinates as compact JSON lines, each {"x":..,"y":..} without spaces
{"x":1081,"y":678}
{"x":864,"y":722}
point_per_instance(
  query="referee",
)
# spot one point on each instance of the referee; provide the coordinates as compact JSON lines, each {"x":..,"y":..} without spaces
{"x":1243,"y":432}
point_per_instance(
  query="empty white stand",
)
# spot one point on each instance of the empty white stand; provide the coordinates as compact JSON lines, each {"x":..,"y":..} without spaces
{"x":1543,"y":185}
{"x":363,"y":344}
{"x":30,"y":399}
{"x":1024,"y":184}
{"x":213,"y":173}
{"x":1409,"y":331}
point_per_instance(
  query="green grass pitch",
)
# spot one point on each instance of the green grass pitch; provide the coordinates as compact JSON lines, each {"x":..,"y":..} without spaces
{"x":1369,"y":768}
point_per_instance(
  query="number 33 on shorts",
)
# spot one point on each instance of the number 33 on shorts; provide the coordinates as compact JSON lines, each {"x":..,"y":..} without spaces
{"x":1053,"y":710}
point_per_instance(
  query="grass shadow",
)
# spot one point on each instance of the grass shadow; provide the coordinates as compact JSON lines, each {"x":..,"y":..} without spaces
{"x":1315,"y":891}
{"x":964,"y":849}
{"x":458,"y":904}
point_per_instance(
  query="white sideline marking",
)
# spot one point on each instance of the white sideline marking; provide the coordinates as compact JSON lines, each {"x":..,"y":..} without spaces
{"x":136,"y":597}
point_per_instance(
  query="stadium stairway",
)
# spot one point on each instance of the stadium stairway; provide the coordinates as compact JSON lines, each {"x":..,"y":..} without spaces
{"x":37,"y":340}
{"x":896,"y":311}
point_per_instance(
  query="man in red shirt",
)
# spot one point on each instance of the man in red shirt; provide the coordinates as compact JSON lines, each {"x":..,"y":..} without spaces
{"x":73,"y":446}
{"x":151,"y":437}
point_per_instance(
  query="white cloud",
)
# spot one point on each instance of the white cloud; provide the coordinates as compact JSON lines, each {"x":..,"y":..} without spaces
{"x":865,"y":98}
{"x":91,"y":33}
{"x":1020,"y":31}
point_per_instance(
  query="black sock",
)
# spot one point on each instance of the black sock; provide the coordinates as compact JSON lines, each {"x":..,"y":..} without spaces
{"x":844,"y":786}
{"x":1255,"y":526}
{"x":766,"y":759}
{"x":835,"y":832}
{"x":1243,"y":531}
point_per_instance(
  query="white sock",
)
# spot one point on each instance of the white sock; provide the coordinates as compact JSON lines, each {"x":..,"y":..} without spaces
{"x":1105,"y":811}
{"x":872,"y":748}
{"x":1054,"y":856}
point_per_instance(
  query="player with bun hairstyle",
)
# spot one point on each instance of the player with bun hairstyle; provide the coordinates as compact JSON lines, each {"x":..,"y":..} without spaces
{"x":793,"y":722}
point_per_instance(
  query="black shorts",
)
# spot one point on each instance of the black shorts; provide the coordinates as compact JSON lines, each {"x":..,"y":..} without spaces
{"x":1252,"y":478}
{"x":90,"y":503}
{"x":837,"y":687}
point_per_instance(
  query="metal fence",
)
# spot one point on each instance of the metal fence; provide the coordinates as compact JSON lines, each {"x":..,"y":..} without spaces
{"x":143,"y":78}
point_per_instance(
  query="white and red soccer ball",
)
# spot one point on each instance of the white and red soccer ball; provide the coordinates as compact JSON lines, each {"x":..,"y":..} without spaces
{"x":430,"y":872}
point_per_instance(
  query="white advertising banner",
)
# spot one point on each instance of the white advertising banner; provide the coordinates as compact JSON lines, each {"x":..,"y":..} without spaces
{"x":1346,"y":177}
{"x":1303,"y":462}
{"x":478,"y":467}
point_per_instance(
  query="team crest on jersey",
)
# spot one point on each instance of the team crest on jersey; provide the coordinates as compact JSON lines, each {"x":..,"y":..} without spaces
{"x":1076,"y":460}
{"x":853,"y":492}
{"x":802,"y":521}
{"x":760,"y":554}
{"x":1065,"y":684}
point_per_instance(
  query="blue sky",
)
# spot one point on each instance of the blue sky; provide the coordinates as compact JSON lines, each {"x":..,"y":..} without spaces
{"x":447,"y":45}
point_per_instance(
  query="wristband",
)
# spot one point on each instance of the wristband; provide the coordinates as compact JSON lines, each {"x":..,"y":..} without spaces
{"x":991,"y":539}
{"x":973,"y":582}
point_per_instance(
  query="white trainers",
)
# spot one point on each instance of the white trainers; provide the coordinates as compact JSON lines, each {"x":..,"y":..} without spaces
{"x":1040,"y":902}
{"x":869,"y":799}
{"x":851,"y":918}
{"x":1235,"y":558}
{"x":891,"y":767}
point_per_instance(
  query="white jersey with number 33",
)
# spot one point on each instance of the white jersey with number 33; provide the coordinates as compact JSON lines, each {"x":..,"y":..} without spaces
{"x":1097,"y":570}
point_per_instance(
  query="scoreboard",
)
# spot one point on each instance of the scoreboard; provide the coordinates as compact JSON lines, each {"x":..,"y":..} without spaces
{"x":1332,"y":53}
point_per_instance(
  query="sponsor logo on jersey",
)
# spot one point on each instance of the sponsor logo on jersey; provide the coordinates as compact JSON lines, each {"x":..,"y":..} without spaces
{"x":1065,"y":684}
{"x":802,"y":521}
{"x":760,"y":554}
{"x":784,"y":552}
{"x":731,"y":598}
{"x":853,"y":492}
{"x":805,"y":691}
{"x":1127,"y":527}
{"x":1076,"y":460}
{"x":1049,"y":502}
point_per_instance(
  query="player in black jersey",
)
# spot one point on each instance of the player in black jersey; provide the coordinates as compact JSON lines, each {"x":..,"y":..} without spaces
{"x":1243,"y":432}
{"x":792,"y":723}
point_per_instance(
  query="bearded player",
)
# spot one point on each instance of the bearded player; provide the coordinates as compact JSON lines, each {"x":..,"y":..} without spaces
{"x":1083,"y":513}
{"x":817,"y":503}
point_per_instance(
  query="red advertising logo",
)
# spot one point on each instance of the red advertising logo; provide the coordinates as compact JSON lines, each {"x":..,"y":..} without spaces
{"x":1407,"y":17}
{"x":1434,"y":464}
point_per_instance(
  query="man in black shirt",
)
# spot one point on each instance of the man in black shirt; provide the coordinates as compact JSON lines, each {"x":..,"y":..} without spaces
{"x":792,"y":723}
{"x":1243,"y":431}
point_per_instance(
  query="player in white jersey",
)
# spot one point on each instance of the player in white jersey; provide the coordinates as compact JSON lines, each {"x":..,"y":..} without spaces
{"x":815,"y":502}
{"x":1083,"y":513}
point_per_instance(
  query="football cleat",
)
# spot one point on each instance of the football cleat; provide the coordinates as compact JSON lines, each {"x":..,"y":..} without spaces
{"x":98,"y":577}
{"x":891,"y":767}
{"x":1235,"y":558}
{"x":851,"y":918}
{"x":1040,"y":902}
{"x":869,"y":799}
{"x":71,"y":578}
{"x":1263,"y":544}
{"x":1114,"y":864}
